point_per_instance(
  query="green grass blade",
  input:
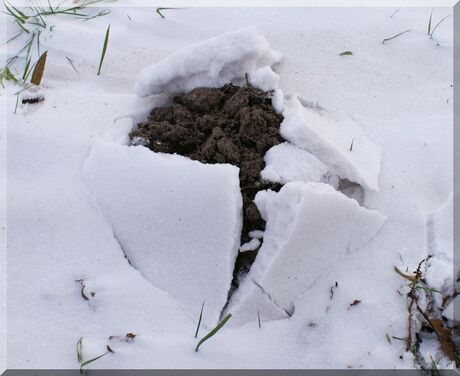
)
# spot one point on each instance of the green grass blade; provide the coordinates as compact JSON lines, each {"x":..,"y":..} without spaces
{"x":23,"y":16}
{"x":158,"y":10}
{"x":71,"y":63}
{"x":214,"y":331}
{"x":22,"y":27}
{"x":395,"y":36}
{"x":199,"y":320}
{"x":439,"y":23}
{"x":80,"y":350}
{"x":429,"y":23}
{"x":346,"y":53}
{"x":26,"y":69}
{"x":92,"y":360}
{"x":104,"y":49}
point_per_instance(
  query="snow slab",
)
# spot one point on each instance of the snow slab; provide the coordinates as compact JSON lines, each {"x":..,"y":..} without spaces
{"x":336,"y":138}
{"x":182,"y":237}
{"x":213,"y":63}
{"x":286,"y":162}
{"x":298,"y":247}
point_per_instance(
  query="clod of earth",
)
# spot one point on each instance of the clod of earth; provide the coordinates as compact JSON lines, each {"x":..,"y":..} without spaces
{"x":231,"y":124}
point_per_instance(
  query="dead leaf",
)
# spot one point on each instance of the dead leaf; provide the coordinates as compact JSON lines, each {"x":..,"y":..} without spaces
{"x":445,"y":338}
{"x":411,"y":278}
{"x":39,"y":69}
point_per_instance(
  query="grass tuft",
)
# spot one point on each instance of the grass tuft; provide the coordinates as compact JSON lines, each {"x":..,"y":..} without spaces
{"x":104,"y":49}
{"x":6,"y":75}
{"x":214,"y":331}
{"x":31,"y":22}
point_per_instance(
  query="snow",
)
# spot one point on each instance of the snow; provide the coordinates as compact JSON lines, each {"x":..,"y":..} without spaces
{"x":285,"y":163}
{"x":177,"y":234}
{"x":441,"y":269}
{"x":213,"y":62}
{"x":251,"y":245}
{"x":297,"y":247}
{"x":57,"y":232}
{"x":336,"y":139}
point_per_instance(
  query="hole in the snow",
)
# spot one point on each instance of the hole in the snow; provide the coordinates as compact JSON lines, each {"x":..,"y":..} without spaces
{"x":232,"y":124}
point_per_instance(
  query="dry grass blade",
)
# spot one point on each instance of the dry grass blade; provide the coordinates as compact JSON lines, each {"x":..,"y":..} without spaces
{"x":37,"y":74}
{"x":104,"y":49}
{"x":214,"y":331}
{"x":407,"y":276}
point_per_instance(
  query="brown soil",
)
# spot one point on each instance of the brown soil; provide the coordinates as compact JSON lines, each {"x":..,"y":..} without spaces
{"x":231,"y":124}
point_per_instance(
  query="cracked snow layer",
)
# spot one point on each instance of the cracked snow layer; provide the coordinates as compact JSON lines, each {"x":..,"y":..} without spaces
{"x":336,"y":139}
{"x":298,"y":244}
{"x":212,"y":63}
{"x":177,"y":234}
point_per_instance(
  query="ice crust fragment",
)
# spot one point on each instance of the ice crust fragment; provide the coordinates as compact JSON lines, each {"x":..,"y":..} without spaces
{"x":213,"y":63}
{"x":337,"y":139}
{"x":177,"y":220}
{"x":310,"y":226}
{"x":286,"y":162}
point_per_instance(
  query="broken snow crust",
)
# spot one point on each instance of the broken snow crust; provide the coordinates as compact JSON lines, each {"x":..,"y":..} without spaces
{"x":286,"y":162}
{"x":337,"y":139}
{"x":212,"y":63}
{"x":298,"y":245}
{"x":178,"y":221}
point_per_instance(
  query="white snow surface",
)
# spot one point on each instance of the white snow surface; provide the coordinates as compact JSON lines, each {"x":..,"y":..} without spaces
{"x":57,"y":232}
{"x":337,"y":139}
{"x":178,"y":234}
{"x":297,"y":247}
{"x":213,"y":62}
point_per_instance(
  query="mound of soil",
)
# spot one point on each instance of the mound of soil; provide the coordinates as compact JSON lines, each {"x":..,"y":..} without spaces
{"x":231,"y":124}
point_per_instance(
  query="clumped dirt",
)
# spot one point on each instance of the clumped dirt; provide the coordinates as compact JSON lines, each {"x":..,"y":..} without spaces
{"x":231,"y":124}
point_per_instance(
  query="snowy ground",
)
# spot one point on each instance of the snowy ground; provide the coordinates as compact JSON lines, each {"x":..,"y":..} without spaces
{"x":64,"y":209}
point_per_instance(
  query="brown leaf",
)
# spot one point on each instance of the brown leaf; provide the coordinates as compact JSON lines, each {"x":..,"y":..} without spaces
{"x":130,"y":336}
{"x":445,"y":338}
{"x":39,"y":69}
{"x":355,"y":302}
